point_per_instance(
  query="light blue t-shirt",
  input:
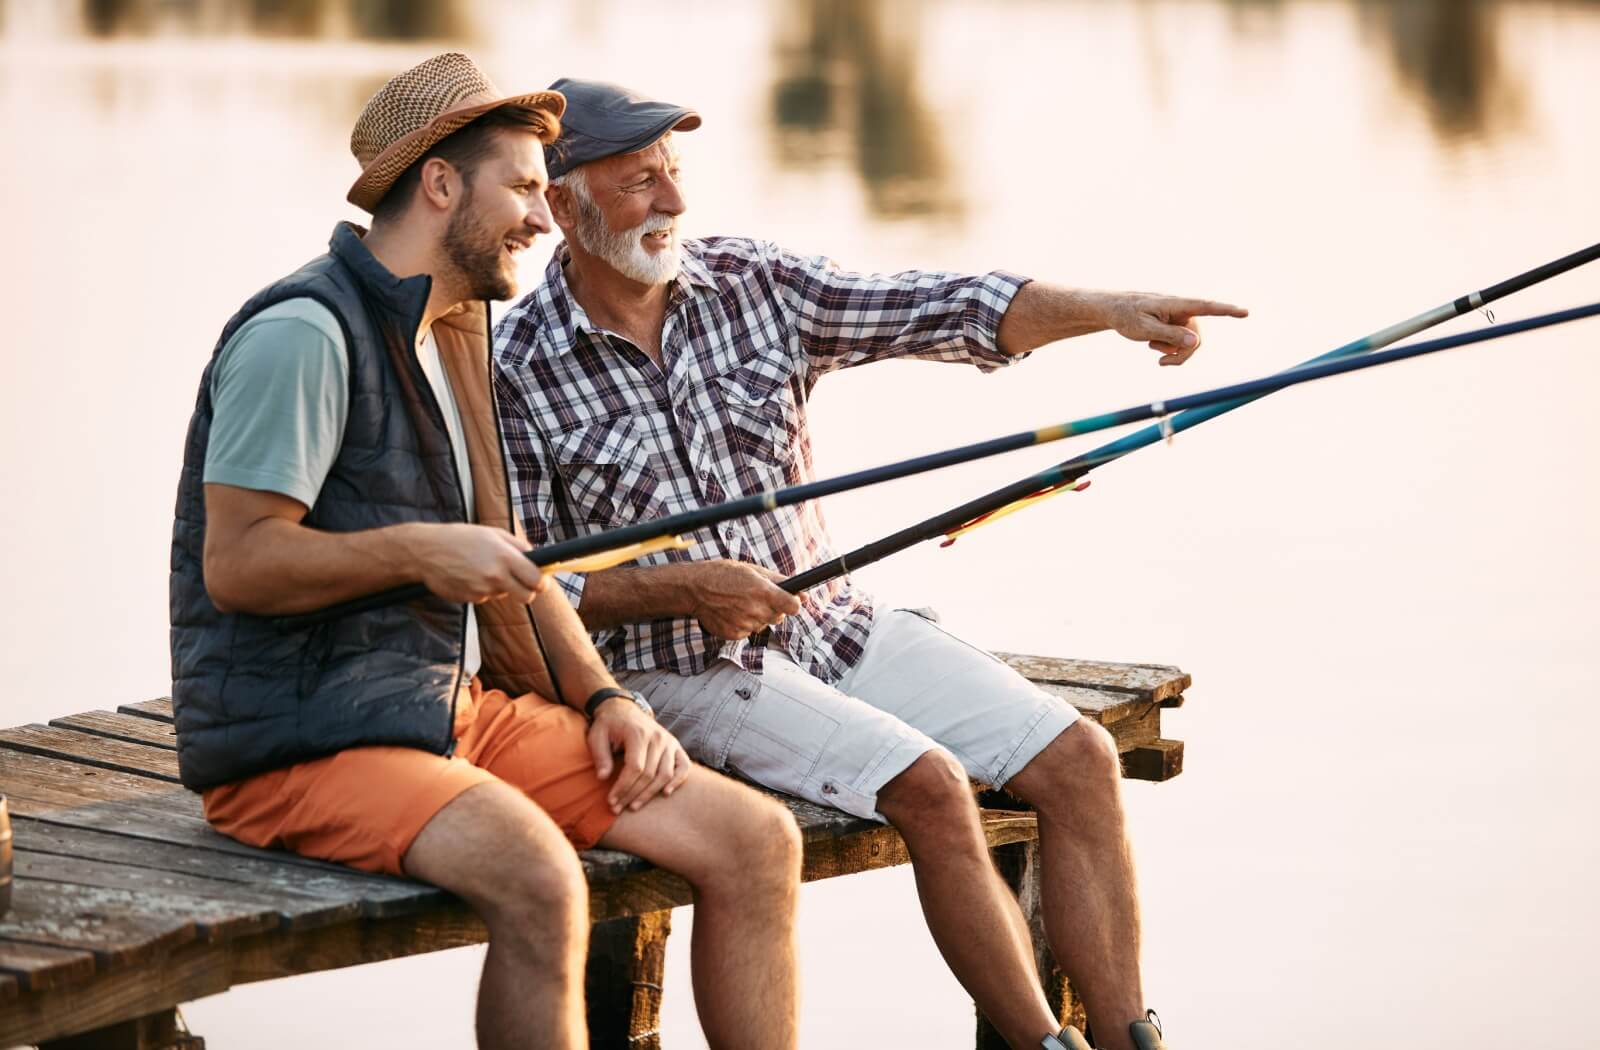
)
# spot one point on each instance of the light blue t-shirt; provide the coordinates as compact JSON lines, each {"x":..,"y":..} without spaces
{"x":280,"y":396}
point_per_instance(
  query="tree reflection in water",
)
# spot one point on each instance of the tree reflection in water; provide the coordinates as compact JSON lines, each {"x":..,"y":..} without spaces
{"x":847,"y":86}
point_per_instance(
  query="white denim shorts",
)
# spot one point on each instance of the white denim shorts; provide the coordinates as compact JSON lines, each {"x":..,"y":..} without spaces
{"x":917,"y":687}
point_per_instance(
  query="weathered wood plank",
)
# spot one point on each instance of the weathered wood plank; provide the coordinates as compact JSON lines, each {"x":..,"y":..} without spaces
{"x":339,"y":892}
{"x":130,"y":728}
{"x":214,"y":919}
{"x":1149,"y":682}
{"x":36,"y":783}
{"x":159,"y":709}
{"x":195,"y":970}
{"x":1157,"y":760}
{"x":102,"y":922}
{"x":157,"y":820}
{"x":8,"y":987}
{"x":36,"y":967}
{"x":622,"y":982}
{"x":93,"y":750}
{"x":285,"y":908}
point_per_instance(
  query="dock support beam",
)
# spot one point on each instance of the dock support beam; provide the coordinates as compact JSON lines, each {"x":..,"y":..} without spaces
{"x":623,"y":981}
{"x":157,"y":1031}
{"x":1019,"y":866}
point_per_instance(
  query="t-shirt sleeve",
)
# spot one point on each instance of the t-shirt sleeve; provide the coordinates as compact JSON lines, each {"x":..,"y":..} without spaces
{"x":280,"y":398}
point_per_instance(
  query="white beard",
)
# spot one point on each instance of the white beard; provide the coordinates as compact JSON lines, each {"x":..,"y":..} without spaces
{"x":625,"y":251}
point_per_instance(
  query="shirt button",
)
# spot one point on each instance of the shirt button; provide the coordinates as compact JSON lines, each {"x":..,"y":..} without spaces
{"x":744,"y":692}
{"x":705,"y":475}
{"x":829,"y":788}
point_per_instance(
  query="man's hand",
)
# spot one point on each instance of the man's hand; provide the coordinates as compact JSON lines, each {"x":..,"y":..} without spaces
{"x":651,"y":759}
{"x":474,"y":563}
{"x":735,"y":599}
{"x":1166,"y":323}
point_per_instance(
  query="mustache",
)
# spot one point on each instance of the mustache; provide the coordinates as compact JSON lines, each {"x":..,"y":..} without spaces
{"x":657,"y":222}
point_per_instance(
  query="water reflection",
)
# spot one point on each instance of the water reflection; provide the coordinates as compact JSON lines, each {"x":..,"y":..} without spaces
{"x":1446,"y":52}
{"x":846,"y":85}
{"x":362,"y":19}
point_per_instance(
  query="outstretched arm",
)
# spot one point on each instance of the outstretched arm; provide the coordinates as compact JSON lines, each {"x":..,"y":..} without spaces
{"x":1042,"y":313}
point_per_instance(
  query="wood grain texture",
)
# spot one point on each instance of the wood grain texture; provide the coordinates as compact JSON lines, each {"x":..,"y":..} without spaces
{"x":153,"y":819}
{"x":195,"y":970}
{"x":1149,"y":682}
{"x":1157,"y":760}
{"x":37,"y":967}
{"x":129,"y":728}
{"x":622,"y":981}
{"x":106,"y":923}
{"x":90,"y":750}
{"x":159,"y":709}
{"x":340,"y":890}
{"x":36,"y":784}
{"x":284,"y":908}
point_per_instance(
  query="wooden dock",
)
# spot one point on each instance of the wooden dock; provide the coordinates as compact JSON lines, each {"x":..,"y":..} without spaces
{"x":126,"y":904}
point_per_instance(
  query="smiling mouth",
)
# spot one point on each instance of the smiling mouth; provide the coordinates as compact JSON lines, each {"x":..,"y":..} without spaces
{"x":658,"y":238}
{"x":513,"y":246}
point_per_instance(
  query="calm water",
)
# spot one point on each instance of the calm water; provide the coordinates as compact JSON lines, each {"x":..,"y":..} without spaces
{"x":1385,"y":586}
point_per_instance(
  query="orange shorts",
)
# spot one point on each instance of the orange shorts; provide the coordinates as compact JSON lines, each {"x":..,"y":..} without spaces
{"x":364,"y":806}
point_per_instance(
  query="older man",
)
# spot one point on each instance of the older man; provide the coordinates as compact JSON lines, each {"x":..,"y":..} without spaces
{"x":344,"y":442}
{"x":647,"y":376}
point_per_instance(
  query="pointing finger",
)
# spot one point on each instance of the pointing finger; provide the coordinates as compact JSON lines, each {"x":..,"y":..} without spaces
{"x":1205,"y":308}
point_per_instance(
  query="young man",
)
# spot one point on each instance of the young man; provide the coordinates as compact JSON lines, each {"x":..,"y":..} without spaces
{"x":648,"y":375}
{"x":345,"y":442}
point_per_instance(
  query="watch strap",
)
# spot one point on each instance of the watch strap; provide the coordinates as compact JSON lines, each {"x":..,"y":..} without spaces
{"x":601,"y":696}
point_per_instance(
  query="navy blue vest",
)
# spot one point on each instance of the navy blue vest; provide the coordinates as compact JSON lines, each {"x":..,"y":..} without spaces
{"x":250,"y":697}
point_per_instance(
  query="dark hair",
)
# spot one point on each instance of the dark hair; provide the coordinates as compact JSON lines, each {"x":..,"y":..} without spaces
{"x":465,"y":149}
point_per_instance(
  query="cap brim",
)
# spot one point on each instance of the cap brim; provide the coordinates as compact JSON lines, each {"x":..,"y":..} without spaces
{"x":376,"y":179}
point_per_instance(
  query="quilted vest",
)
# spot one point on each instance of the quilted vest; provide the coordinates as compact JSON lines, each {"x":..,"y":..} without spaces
{"x":250,"y":696}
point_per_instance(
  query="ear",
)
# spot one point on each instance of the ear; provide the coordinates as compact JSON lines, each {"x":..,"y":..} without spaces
{"x":441,"y":183}
{"x":563,"y":209}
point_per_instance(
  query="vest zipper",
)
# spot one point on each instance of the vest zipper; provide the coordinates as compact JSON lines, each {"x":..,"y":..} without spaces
{"x":415,"y":366}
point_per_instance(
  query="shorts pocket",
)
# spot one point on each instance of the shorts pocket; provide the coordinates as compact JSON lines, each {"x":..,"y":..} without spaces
{"x":780,"y":746}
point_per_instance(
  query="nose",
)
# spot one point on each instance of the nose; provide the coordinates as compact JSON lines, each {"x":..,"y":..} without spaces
{"x":538,"y":216}
{"x":669,"y":197}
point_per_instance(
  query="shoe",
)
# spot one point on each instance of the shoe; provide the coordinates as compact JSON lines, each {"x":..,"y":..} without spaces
{"x":1069,"y":1039}
{"x":1146,"y":1034}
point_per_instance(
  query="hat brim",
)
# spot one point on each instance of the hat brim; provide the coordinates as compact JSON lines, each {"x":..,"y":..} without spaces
{"x":376,"y":179}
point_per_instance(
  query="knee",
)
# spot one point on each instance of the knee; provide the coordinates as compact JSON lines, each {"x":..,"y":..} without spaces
{"x":535,"y":889}
{"x":932,"y":792}
{"x":1080,"y":766}
{"x":769,"y":843}
{"x":756,"y":854}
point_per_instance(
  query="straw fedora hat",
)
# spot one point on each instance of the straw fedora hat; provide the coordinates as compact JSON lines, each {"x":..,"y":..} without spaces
{"x":413,"y":111}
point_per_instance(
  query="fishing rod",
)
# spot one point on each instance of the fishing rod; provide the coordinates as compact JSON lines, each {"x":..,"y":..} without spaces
{"x":616,"y":545}
{"x":1066,"y":476}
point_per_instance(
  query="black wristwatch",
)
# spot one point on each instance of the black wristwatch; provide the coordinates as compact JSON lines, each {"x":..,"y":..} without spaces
{"x":602,"y":695}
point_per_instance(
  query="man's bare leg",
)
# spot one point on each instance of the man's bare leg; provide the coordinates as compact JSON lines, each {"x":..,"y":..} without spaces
{"x":973,"y":917}
{"x":740,"y":852}
{"x":515,"y":867}
{"x":1091,"y":904}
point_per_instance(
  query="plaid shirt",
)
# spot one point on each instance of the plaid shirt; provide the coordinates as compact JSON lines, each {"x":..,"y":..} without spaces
{"x":598,"y":436}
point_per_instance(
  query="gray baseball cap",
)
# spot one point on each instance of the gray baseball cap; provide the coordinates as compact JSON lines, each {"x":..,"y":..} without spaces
{"x":605,"y":120}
